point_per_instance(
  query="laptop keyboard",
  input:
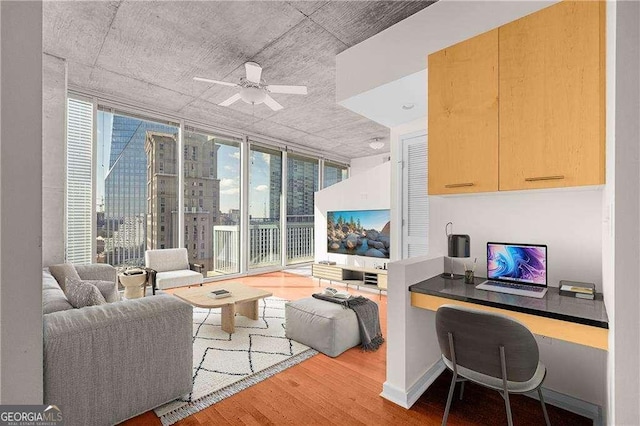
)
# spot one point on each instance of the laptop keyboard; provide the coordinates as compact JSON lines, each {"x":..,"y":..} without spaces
{"x":513,"y":288}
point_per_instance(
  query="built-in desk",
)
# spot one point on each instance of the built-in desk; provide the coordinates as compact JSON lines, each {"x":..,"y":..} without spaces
{"x":574,"y":320}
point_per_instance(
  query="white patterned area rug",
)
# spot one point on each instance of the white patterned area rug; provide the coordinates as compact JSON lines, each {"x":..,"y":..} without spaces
{"x":224,"y":364}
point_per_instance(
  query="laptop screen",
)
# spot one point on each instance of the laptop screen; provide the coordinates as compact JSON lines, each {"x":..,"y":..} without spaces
{"x":518,"y":263}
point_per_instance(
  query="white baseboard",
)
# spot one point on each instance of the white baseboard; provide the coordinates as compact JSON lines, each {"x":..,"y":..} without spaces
{"x":407,"y":398}
{"x":569,"y":403}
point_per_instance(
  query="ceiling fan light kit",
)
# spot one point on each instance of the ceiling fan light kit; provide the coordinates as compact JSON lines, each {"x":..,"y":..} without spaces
{"x":253,"y":90}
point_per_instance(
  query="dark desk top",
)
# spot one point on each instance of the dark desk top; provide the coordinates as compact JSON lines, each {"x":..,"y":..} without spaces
{"x":553,"y":305}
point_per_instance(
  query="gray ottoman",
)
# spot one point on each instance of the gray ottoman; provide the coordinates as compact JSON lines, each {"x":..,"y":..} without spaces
{"x":326,"y":327}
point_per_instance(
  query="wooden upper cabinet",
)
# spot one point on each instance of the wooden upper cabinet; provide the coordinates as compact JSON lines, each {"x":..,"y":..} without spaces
{"x":552,"y":98}
{"x":463,"y":116}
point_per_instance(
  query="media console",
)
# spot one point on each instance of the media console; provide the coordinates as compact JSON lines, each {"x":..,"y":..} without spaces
{"x":351,"y":275}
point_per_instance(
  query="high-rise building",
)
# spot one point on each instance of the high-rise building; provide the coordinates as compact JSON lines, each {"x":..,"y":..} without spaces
{"x":125,"y":190}
{"x":79,"y":177}
{"x":302,"y":182}
{"x":275,"y":188}
{"x":201,"y":194}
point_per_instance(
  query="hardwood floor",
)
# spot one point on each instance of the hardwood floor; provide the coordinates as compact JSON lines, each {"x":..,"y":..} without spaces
{"x":346,"y":389}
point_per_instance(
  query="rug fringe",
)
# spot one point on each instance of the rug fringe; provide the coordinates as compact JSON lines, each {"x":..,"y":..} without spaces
{"x":217,"y":396}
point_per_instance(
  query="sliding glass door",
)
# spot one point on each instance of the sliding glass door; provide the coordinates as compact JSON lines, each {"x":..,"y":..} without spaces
{"x":212,"y":202}
{"x":302,"y":183}
{"x":265,"y":189}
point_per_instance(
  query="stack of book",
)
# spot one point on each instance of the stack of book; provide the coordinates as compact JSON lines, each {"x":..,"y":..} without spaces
{"x":219,"y":294}
{"x":578,"y":289}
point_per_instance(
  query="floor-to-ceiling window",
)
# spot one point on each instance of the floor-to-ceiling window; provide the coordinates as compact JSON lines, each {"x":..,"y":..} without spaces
{"x":124,"y":173}
{"x":302,"y":183}
{"x":212,"y":202}
{"x":334,"y":173}
{"x":265,"y":189}
{"x":136,"y":187}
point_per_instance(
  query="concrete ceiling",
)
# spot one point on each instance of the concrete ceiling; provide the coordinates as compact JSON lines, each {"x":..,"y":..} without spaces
{"x":149,"y":52}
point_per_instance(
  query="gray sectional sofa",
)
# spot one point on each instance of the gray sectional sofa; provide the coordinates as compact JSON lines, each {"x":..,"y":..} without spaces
{"x":104,"y":364}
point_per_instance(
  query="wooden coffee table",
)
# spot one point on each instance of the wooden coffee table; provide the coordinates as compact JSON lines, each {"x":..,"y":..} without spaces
{"x":243,"y":301}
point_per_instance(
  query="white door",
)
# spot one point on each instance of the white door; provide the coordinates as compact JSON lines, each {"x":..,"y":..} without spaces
{"x":415,"y":203}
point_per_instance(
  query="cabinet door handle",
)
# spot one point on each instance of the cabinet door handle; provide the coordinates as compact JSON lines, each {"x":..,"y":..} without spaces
{"x":539,"y":178}
{"x":458,"y":185}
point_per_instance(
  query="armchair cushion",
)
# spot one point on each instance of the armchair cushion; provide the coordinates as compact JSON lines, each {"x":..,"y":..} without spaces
{"x":63,"y":271}
{"x":167,"y":259}
{"x":170,"y":279}
{"x":83,"y":293}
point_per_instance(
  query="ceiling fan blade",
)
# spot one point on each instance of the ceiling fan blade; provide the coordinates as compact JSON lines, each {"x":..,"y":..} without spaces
{"x":291,"y":90}
{"x":231,"y":100}
{"x":254,"y":72}
{"x":271,"y":103}
{"x":207,"y":80}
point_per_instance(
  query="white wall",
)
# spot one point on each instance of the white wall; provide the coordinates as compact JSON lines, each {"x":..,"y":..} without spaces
{"x":54,"y":95}
{"x":363,"y":164}
{"x":402,"y":49}
{"x":626,"y":350}
{"x":568,"y":221}
{"x":21,"y":202}
{"x":369,"y":190}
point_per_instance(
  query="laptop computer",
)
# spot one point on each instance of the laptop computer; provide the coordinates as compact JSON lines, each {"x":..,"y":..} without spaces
{"x":519,"y":269}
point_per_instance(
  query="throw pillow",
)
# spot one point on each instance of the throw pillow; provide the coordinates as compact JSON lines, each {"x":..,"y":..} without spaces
{"x":108,"y":289}
{"x":63,"y":271}
{"x":82,"y":293}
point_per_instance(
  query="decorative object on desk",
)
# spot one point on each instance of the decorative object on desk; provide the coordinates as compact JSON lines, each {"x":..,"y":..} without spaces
{"x":327,"y":262}
{"x":459,"y":245}
{"x":469,"y":272}
{"x":219,"y":294}
{"x":578,"y":289}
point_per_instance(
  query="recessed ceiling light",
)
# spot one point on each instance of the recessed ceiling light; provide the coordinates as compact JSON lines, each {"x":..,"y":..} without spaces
{"x":408,"y":106}
{"x":376,"y":144}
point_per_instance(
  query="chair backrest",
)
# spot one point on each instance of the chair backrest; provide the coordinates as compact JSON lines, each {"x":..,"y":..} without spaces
{"x":477,"y":337}
{"x":164,"y":260}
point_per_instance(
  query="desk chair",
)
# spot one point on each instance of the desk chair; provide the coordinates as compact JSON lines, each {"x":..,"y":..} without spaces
{"x":491,"y":350}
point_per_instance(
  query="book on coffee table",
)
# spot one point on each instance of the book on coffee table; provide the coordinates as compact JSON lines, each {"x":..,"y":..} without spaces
{"x":219,"y":294}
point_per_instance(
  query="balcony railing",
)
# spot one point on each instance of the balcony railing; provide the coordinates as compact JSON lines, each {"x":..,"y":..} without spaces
{"x":264,"y":245}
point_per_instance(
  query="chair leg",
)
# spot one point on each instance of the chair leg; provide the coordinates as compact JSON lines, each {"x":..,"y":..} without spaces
{"x":508,"y":408}
{"x":462,"y":389}
{"x":544,"y":407}
{"x":449,"y":398}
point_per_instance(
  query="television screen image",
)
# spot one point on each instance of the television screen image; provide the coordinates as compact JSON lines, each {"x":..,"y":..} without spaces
{"x":359,"y":232}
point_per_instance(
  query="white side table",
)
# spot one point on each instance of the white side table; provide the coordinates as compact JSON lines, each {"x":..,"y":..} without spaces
{"x":134,"y":285}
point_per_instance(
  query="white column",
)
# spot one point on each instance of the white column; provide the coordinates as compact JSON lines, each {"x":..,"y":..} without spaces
{"x":180,"y":189}
{"x":21,"y":202}
{"x":283,"y":211}
{"x":244,"y":204}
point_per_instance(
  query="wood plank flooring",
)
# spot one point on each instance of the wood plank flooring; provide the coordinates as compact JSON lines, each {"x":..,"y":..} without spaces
{"x":346,"y":390}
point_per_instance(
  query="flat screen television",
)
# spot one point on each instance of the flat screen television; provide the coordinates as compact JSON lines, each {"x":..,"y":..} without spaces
{"x":359,"y":232}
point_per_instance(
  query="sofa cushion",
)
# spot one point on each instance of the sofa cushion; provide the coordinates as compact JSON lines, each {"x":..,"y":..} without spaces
{"x":63,"y":271}
{"x":167,"y":259}
{"x":53,"y":298}
{"x":181,"y":278}
{"x":83,"y":293}
{"x":108,"y":289}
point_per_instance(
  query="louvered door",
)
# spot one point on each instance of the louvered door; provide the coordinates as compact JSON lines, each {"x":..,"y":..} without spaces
{"x":415,"y":202}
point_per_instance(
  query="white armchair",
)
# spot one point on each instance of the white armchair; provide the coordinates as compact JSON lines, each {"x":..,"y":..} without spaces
{"x":169,"y":268}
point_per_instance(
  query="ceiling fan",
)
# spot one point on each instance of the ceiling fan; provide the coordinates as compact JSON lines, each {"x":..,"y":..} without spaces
{"x":253,"y":89}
